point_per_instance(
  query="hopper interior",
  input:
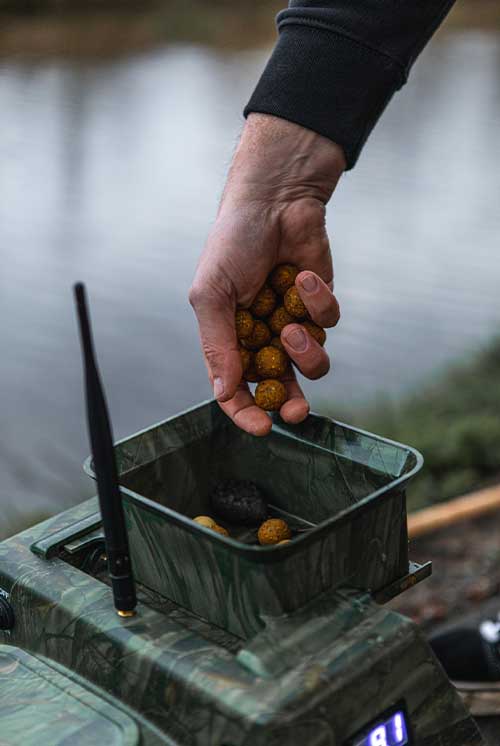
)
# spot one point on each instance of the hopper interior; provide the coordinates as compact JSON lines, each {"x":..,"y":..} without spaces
{"x":341,"y":490}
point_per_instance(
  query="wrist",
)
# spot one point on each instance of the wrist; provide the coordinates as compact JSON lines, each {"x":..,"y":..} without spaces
{"x":278,"y":161}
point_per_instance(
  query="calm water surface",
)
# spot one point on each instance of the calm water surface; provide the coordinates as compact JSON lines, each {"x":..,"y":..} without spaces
{"x":110,"y":173}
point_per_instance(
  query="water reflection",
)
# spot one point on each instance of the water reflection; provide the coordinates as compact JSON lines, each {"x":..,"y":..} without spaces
{"x":111,"y":173}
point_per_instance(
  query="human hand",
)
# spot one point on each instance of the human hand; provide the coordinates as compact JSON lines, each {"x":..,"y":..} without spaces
{"x":272,"y":212}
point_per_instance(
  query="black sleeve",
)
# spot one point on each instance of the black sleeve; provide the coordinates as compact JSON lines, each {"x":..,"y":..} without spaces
{"x":337,"y":63}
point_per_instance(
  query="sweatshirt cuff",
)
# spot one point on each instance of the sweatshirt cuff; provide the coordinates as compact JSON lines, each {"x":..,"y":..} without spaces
{"x":328,"y":83}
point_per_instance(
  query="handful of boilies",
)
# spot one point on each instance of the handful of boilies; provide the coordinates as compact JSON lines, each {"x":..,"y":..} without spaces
{"x":263,"y":357}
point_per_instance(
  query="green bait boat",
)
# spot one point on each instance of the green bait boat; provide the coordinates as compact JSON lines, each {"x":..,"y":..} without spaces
{"x":125,"y":623}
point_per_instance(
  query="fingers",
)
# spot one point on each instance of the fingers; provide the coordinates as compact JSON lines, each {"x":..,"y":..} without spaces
{"x":249,"y":417}
{"x":305,"y":352}
{"x":246,"y":414}
{"x":319,"y":300}
{"x":323,"y":307}
{"x":215,"y":314}
{"x":296,"y":408}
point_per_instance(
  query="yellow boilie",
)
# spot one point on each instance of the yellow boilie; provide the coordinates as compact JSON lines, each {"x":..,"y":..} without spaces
{"x":264,"y":303}
{"x":244,"y":323}
{"x":294,"y":304}
{"x":283,"y":277}
{"x":274,"y":531}
{"x":270,"y":362}
{"x":270,"y":395}
{"x":279,"y":319}
{"x":260,"y":336}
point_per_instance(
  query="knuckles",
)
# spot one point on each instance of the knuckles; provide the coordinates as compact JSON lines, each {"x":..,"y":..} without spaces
{"x":195,"y":294}
{"x":211,"y":294}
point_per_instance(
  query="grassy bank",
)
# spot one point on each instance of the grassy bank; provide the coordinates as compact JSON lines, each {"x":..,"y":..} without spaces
{"x":454,"y":421}
{"x":107,"y":28}
{"x":101,"y":30}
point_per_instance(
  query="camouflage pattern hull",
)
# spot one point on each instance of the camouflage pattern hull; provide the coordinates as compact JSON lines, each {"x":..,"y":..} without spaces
{"x":314,"y":677}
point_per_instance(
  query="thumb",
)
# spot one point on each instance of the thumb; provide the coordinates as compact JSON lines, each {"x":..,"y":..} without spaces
{"x":215,"y":314}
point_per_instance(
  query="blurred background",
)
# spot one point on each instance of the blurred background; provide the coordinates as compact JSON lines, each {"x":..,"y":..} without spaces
{"x":118,"y":122}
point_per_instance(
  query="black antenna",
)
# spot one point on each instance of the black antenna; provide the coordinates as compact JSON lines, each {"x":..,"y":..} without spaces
{"x":101,"y":441}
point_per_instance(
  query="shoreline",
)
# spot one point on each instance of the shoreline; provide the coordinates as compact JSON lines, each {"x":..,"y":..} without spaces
{"x":451,"y":419}
{"x":91,"y":32}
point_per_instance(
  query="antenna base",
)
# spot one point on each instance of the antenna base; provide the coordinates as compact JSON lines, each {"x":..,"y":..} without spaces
{"x":125,"y":614}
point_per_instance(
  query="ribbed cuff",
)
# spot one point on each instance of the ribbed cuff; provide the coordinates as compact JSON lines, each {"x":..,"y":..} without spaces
{"x":328,"y":83}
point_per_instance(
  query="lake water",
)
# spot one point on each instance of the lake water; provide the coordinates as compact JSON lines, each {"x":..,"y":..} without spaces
{"x":110,"y":173}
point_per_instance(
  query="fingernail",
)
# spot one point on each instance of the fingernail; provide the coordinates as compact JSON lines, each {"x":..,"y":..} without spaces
{"x":297,"y":340}
{"x":218,"y":387}
{"x":309,"y":283}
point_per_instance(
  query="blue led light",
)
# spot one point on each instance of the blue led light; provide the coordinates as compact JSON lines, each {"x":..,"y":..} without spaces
{"x":389,"y":732}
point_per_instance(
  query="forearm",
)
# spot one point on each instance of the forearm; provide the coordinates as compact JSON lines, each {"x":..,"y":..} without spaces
{"x":338,"y":63}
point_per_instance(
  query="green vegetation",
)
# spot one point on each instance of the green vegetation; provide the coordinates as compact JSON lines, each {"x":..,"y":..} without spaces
{"x":101,"y":29}
{"x":110,"y":28}
{"x":454,"y":421}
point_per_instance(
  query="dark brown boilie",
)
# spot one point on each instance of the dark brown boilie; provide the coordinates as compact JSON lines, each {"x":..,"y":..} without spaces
{"x":240,"y":502}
